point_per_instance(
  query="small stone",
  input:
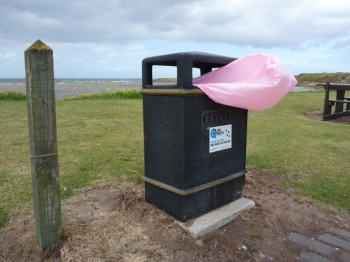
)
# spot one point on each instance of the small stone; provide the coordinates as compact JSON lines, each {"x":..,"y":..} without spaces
{"x":199,"y":242}
{"x":269,"y":257}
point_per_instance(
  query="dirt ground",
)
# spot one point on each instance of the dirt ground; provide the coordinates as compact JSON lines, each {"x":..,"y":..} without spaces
{"x":318,"y":116}
{"x":113,"y":223}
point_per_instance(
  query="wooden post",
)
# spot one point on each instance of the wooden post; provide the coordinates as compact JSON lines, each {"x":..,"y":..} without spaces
{"x":43,"y":143}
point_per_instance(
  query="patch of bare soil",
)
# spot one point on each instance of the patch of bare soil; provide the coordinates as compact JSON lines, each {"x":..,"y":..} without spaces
{"x":318,"y":116}
{"x":113,"y":223}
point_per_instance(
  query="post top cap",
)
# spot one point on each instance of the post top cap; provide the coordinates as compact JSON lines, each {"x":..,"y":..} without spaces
{"x":39,"y":46}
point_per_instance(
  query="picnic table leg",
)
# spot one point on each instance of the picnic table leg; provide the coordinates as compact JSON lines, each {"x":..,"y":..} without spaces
{"x":339,"y":107}
{"x":327,"y":107}
{"x":347,"y":105}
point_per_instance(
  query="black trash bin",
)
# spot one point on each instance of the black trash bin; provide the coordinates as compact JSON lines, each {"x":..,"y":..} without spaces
{"x":195,"y":149}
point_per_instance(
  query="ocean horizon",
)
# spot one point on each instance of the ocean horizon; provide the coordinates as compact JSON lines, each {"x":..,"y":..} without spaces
{"x":70,"y":87}
{"x":70,"y":80}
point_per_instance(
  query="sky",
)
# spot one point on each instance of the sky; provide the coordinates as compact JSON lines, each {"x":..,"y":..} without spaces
{"x":110,"y":38}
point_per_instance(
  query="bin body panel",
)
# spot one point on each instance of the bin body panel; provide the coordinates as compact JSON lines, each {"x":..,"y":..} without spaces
{"x":162,"y":139}
{"x":177,"y":153}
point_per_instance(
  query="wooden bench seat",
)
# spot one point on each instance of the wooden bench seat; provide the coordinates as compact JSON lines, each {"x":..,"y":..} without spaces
{"x":346,"y":100}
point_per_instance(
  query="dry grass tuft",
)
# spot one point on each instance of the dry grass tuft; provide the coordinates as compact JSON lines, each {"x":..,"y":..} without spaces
{"x":107,"y":225}
{"x":102,"y":229}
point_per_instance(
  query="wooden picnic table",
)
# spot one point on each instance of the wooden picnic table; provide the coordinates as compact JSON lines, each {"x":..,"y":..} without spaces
{"x":341,"y":102}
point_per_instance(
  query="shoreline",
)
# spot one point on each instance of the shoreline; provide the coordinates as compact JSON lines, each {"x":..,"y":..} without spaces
{"x":65,"y":88}
{"x":71,"y":89}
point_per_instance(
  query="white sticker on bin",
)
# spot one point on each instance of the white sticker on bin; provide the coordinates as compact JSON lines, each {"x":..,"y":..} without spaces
{"x":220,"y":138}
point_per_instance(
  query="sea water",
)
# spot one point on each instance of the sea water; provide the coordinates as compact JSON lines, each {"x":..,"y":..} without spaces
{"x":70,"y":87}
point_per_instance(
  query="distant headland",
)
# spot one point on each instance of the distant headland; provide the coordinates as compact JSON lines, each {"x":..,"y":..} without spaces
{"x":314,"y":78}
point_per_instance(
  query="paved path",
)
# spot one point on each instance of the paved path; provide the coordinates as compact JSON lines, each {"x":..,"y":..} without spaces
{"x":333,"y":246}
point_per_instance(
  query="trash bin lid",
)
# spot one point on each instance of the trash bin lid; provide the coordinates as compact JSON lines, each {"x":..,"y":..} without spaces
{"x":185,"y":62}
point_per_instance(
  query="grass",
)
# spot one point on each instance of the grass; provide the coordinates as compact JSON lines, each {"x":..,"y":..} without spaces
{"x":12,"y":96}
{"x":124,"y":94}
{"x":102,"y":139}
{"x":314,"y":154}
{"x":98,"y":140}
{"x":3,"y":217}
{"x":253,"y":246}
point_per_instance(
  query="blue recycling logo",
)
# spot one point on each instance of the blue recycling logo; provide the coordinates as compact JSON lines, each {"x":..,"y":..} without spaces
{"x":213,"y":133}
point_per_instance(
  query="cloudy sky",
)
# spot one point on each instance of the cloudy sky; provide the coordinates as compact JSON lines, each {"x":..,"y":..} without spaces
{"x":109,"y":38}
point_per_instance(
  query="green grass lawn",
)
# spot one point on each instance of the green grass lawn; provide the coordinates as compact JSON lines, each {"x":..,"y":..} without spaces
{"x":101,"y":139}
{"x":314,"y":154}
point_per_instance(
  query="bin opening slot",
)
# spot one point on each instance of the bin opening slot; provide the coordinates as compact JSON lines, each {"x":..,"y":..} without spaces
{"x":166,"y":75}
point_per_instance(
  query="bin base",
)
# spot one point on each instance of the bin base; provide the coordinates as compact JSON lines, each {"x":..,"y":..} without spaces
{"x":217,"y":218}
{"x":183,"y":208}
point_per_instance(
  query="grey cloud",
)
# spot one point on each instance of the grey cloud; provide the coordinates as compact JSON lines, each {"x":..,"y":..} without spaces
{"x":256,"y":23}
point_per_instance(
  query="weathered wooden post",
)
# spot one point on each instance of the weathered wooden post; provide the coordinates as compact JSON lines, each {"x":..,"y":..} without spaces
{"x":43,"y":143}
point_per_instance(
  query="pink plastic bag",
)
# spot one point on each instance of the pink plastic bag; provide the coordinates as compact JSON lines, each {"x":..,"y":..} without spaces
{"x":255,"y":82}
